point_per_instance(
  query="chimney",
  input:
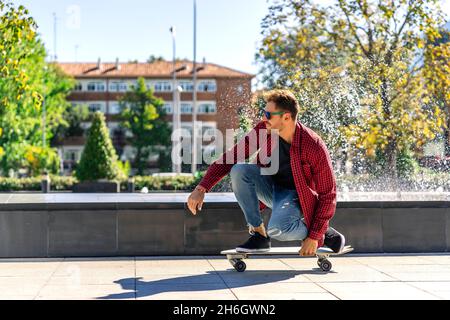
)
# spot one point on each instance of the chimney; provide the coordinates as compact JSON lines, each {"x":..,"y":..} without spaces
{"x":117,"y":64}
{"x":99,"y":63}
{"x":203,"y":66}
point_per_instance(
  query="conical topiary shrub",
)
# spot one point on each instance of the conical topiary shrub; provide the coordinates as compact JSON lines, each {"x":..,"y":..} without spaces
{"x":99,"y":158}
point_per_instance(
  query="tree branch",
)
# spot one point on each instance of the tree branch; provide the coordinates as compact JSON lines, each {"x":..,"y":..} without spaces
{"x":369,"y":31}
{"x":353,"y":30}
{"x":397,"y":35}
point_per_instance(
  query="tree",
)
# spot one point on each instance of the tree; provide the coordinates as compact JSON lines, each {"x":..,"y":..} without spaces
{"x":99,"y":158}
{"x":74,"y":116}
{"x":377,"y":51}
{"x":440,"y":85}
{"x":143,"y":116}
{"x":26,"y":82}
{"x":154,"y":58}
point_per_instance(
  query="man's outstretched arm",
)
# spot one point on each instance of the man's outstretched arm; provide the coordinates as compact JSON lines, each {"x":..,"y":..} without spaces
{"x":222,"y":166}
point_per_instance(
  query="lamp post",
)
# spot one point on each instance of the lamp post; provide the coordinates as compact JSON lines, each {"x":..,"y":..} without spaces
{"x":44,"y":116}
{"x":55,"y":57}
{"x":177,"y":119}
{"x":194,"y":98}
{"x":174,"y":96}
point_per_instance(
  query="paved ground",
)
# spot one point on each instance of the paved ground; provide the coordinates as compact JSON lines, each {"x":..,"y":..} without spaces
{"x":420,"y":276}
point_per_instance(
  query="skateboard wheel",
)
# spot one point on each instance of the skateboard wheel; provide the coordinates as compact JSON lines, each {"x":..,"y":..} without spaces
{"x":325,"y":265}
{"x":240,"y":266}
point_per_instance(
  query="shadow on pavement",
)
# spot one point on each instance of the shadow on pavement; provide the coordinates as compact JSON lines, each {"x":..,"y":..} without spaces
{"x":211,"y":280}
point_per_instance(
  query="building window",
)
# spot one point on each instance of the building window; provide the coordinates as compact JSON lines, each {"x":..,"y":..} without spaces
{"x":163,"y":86}
{"x":207,"y":108}
{"x":186,"y":108}
{"x":187,"y":86}
{"x":71,"y":155}
{"x":187,"y":130}
{"x":118,"y":86}
{"x":167,"y":108}
{"x":207,"y":86}
{"x":96,"y":86}
{"x":114,"y":108}
{"x":93,"y":107}
{"x":210,"y":131}
{"x":78,"y":87}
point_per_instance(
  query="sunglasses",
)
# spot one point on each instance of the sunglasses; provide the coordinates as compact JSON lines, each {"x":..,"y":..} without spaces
{"x":269,"y":114}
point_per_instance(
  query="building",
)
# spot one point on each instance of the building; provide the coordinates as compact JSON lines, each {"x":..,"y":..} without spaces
{"x":220,"y":93}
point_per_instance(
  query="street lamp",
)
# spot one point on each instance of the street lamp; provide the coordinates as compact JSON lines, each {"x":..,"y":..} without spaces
{"x":176,"y":118}
{"x":194,"y":99}
{"x":174,"y":97}
{"x":177,"y":122}
{"x":44,"y":114}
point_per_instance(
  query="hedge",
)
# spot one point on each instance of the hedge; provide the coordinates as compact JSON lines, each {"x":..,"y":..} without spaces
{"x":426,"y":180}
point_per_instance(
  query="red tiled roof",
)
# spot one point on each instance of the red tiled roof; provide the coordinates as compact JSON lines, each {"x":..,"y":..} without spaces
{"x":157,"y":69}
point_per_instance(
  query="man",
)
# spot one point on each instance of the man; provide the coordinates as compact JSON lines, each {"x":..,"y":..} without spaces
{"x":302,"y":193}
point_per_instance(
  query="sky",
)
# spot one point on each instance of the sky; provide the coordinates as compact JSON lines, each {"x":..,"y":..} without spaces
{"x":228,"y":31}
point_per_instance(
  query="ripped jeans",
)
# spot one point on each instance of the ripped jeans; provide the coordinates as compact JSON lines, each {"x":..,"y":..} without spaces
{"x":249,"y":186}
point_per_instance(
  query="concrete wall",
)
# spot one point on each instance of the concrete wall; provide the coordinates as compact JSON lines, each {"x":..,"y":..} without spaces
{"x":128,"y":229}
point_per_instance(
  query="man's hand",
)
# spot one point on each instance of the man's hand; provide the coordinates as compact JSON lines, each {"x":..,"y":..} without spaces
{"x":309,"y":247}
{"x":195,"y":200}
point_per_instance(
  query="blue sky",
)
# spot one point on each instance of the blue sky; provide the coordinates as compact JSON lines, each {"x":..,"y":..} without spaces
{"x":227,"y":31}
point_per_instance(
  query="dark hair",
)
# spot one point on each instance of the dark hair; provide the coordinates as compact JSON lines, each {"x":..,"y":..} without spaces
{"x":284,"y":100}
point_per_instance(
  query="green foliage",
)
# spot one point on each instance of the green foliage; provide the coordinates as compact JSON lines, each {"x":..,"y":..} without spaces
{"x":23,"y":184}
{"x":370,"y":73}
{"x":154,"y":58}
{"x":422,"y":180}
{"x":406,"y":164}
{"x":61,"y":183}
{"x":27,"y":81}
{"x":165,"y":183}
{"x":71,"y":127}
{"x":99,"y":158}
{"x":57,"y":183}
{"x":165,"y":160}
{"x":143,"y":116}
{"x":124,"y":169}
{"x":40,"y":159}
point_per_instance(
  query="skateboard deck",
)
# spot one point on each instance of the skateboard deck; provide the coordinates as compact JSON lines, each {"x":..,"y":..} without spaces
{"x":236,"y":258}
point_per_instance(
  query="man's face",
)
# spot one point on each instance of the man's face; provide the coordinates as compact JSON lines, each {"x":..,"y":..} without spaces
{"x":276,"y":121}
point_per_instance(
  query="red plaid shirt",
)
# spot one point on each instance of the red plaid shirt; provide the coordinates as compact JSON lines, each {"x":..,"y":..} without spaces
{"x":311,"y":166}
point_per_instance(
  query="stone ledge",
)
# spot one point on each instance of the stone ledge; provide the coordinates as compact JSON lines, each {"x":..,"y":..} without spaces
{"x":68,"y":225}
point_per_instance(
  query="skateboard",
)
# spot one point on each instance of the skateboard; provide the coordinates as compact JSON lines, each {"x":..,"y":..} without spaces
{"x":323,"y":253}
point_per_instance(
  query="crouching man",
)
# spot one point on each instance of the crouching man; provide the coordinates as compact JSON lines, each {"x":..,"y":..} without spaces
{"x":301,"y":193}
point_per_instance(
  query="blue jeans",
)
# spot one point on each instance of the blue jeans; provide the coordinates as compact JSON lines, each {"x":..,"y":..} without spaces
{"x":249,"y":186}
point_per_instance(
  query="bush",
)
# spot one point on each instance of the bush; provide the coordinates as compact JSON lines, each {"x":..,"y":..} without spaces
{"x":166,"y":183}
{"x":23,"y":184}
{"x":39,"y":159}
{"x":62,"y":183}
{"x":124,"y":170}
{"x":407,"y":165}
{"x":99,"y":158}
